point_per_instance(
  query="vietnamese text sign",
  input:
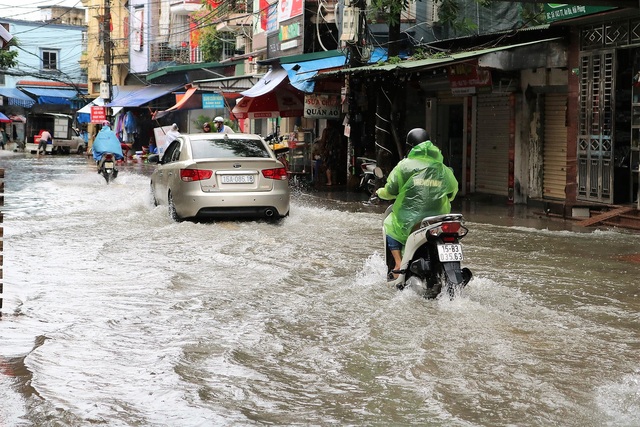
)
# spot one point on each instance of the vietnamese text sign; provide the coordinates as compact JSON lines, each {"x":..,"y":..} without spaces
{"x":98,"y":114}
{"x":468,"y":79}
{"x":560,"y":11}
{"x":212,"y":100}
{"x":322,"y":106}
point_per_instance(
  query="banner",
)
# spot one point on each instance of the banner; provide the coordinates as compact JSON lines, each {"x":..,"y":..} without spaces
{"x":469,"y":79}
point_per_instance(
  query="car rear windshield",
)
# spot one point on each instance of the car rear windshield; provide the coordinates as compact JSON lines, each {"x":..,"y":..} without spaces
{"x":228,"y":148}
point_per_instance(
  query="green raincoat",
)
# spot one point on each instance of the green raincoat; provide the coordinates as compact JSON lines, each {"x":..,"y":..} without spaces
{"x":422,"y":186}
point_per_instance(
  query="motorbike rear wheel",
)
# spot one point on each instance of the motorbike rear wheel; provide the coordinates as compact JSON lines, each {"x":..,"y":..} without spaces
{"x":108,"y":176}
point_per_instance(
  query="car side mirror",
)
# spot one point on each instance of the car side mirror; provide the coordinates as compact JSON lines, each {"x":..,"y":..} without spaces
{"x":153,"y":158}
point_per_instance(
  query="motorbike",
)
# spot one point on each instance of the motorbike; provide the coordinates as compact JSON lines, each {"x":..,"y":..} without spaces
{"x":368,"y":178}
{"x":107,"y":167}
{"x":431,"y":261}
{"x":279,"y":147}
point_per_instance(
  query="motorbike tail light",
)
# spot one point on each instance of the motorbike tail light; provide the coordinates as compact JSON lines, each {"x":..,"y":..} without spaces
{"x":276,"y":173}
{"x":108,"y":156}
{"x":454,"y":229}
{"x":450,"y":227}
{"x":190,"y":175}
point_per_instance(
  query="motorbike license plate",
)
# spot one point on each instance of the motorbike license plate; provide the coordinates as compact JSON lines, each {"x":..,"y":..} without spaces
{"x":237,"y":179}
{"x":108,"y":165}
{"x":450,"y":252}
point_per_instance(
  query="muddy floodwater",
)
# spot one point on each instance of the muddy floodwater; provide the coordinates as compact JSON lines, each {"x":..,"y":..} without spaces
{"x":115,"y":315}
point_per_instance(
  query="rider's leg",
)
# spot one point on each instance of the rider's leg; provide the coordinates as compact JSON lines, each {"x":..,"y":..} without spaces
{"x":395,"y":248}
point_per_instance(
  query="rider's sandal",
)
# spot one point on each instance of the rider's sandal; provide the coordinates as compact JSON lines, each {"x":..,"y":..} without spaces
{"x":393,"y":275}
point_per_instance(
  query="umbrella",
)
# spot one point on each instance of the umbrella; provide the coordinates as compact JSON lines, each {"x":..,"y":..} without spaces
{"x":280,"y":102}
{"x":4,"y":119}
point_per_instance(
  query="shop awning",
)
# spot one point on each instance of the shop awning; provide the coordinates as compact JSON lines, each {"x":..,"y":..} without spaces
{"x":227,"y":84}
{"x":301,"y":74}
{"x":17,"y":97}
{"x":277,"y":103}
{"x":272,"y":96}
{"x":186,"y":101}
{"x":52,"y":95}
{"x":267,"y":83}
{"x":142,"y":95}
{"x":429,"y":63}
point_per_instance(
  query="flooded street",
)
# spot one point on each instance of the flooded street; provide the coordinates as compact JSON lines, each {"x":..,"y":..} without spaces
{"x":115,"y":315}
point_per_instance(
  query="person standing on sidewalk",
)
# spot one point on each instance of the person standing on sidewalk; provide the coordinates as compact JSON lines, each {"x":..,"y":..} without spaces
{"x":4,"y":138}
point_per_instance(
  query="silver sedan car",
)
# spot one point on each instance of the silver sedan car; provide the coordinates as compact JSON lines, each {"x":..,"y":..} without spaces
{"x":219,"y":175}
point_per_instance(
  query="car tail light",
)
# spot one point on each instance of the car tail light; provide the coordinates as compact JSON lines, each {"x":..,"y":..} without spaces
{"x":277,"y":173}
{"x":190,"y":175}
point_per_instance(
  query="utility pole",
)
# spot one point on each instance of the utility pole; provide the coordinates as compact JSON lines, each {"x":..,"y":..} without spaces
{"x":106,"y":84}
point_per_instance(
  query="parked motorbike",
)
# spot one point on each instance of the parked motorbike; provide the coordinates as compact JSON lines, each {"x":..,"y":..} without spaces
{"x":279,"y":147}
{"x":107,"y":167}
{"x":368,"y":181}
{"x":432,"y":257}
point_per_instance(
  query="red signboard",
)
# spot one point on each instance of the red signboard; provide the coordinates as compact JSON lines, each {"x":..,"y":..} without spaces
{"x":468,"y":79}
{"x":98,"y":114}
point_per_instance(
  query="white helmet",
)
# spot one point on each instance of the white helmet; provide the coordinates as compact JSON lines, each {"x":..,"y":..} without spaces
{"x":218,"y":119}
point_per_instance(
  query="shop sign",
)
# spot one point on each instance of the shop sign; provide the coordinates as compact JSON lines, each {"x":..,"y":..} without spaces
{"x":212,"y":100}
{"x":288,"y":9}
{"x":290,"y":31}
{"x":322,"y":106}
{"x":288,"y":37}
{"x":469,"y":79}
{"x":561,"y":11}
{"x":98,"y":114}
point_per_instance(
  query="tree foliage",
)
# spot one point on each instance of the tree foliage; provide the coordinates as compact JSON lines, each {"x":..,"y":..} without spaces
{"x":449,"y":13}
{"x":211,"y":45}
{"x":8,"y":57}
{"x":209,"y":40}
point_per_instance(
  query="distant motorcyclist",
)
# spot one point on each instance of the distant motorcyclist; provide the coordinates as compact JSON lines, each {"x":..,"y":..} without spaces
{"x":421,"y":186}
{"x":106,"y":142}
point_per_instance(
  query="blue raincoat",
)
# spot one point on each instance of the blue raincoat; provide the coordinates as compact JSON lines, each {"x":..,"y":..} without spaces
{"x":106,"y":142}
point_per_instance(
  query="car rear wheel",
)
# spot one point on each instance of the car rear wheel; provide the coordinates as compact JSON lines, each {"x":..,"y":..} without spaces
{"x":172,"y":210}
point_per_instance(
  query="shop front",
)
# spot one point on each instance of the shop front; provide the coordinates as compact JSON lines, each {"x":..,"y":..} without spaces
{"x":608,"y":142}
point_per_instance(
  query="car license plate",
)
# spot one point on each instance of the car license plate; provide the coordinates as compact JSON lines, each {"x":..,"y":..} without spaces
{"x":108,"y":165}
{"x":237,"y":179}
{"x":450,"y":252}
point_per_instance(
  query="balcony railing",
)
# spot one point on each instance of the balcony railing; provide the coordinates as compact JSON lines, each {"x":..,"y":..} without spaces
{"x":163,"y":53}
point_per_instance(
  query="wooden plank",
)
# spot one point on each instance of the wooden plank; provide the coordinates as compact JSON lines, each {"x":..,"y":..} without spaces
{"x":604,"y":216}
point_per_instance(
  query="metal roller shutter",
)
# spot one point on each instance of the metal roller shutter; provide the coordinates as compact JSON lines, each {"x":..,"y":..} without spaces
{"x":555,"y":146}
{"x":492,"y":144}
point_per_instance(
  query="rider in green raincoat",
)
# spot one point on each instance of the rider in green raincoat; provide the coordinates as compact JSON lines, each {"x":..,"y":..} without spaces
{"x":421,"y":185}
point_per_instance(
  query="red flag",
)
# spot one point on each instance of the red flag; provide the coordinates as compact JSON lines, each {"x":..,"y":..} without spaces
{"x":264,"y":14}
